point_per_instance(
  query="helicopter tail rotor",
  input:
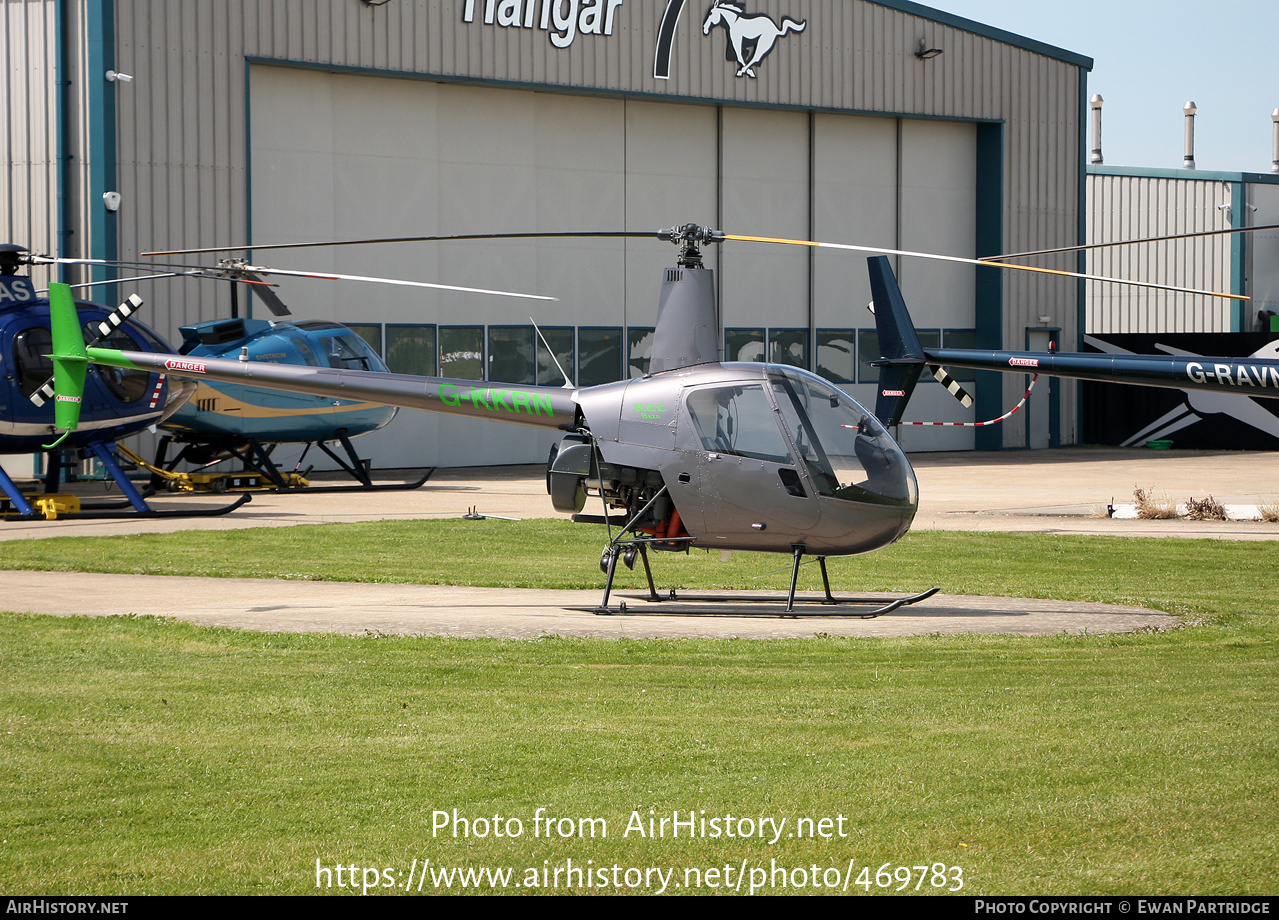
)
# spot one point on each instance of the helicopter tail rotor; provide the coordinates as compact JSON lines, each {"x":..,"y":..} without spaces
{"x":114,"y":320}
{"x":952,"y":385}
{"x":903,"y":357}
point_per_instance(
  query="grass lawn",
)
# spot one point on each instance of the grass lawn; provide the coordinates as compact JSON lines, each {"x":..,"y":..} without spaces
{"x":145,"y":756}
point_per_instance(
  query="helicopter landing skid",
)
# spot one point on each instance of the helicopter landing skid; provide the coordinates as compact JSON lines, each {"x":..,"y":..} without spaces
{"x":50,"y":506}
{"x":627,"y":551}
{"x":878,"y":605}
{"x":257,"y":462}
{"x":103,"y":511}
{"x":358,"y":470}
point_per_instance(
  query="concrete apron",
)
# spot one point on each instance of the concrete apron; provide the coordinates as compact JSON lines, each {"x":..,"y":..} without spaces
{"x":1059,"y":491}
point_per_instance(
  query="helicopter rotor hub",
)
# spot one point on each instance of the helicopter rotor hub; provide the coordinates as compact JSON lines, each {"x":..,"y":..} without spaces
{"x":10,"y":257}
{"x":689,"y":238}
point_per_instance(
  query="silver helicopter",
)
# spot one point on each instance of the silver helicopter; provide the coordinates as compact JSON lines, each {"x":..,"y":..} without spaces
{"x":697,"y":453}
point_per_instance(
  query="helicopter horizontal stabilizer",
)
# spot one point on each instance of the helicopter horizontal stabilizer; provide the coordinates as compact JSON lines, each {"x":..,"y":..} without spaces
{"x":902,"y":356}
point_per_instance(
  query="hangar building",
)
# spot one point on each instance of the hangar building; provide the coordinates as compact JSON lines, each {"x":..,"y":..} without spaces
{"x":879,"y":123}
{"x":1126,"y":203}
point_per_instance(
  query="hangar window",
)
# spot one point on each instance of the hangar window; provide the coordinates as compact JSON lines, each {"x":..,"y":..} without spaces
{"x":639,"y":350}
{"x":776,"y":346}
{"x":837,"y":354}
{"x":511,"y":354}
{"x":960,"y":338}
{"x":562,"y":340}
{"x":744,"y":345}
{"x":600,"y":355}
{"x":462,"y":352}
{"x":868,"y":351}
{"x":788,"y":346}
{"x":410,"y":349}
{"x":370,"y":332}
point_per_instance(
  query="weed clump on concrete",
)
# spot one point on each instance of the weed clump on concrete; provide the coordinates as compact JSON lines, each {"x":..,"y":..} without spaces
{"x":1205,"y":509}
{"x":1154,"y":506}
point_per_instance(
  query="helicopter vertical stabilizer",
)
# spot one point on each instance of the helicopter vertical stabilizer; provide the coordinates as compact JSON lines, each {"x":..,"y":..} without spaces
{"x":687,"y":329}
{"x":70,"y":360}
{"x":902,"y":356}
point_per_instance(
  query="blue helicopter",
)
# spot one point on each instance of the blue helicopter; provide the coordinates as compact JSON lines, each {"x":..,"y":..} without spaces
{"x":224,"y":420}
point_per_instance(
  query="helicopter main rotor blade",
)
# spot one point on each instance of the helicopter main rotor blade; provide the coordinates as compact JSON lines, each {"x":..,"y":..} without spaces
{"x":178,"y":271}
{"x":716,"y":236}
{"x":880,"y":250}
{"x":331,"y":276}
{"x":264,"y":293}
{"x":565,"y":234}
{"x":238,"y":271}
{"x":87,"y":284}
{"x":1147,"y":239}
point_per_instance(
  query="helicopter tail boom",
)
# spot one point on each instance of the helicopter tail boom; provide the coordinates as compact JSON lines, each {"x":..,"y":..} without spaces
{"x":540,"y":406}
{"x":904,"y":358}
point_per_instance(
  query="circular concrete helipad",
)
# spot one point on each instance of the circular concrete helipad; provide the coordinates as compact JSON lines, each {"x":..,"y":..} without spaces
{"x":436,"y":610}
{"x":1057,"y":491}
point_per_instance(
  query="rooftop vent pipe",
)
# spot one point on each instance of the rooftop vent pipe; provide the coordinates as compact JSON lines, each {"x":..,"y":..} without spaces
{"x":1188,"y":161}
{"x":1274,"y":163}
{"x":1096,"y":102}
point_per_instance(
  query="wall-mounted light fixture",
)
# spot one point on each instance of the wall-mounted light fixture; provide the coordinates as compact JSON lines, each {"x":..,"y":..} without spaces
{"x":115,"y":77}
{"x":924,"y":53}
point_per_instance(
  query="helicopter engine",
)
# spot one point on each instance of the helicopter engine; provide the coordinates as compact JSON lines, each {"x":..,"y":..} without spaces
{"x":575,"y":472}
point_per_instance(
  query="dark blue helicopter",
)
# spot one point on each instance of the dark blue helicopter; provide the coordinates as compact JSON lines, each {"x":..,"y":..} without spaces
{"x":117,"y":404}
{"x":212,"y":421}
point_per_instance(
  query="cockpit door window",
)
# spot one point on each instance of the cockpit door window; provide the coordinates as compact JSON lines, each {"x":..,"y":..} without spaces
{"x":738,"y":420}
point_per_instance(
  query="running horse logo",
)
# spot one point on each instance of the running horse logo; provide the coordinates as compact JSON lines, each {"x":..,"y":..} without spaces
{"x":752,"y":36}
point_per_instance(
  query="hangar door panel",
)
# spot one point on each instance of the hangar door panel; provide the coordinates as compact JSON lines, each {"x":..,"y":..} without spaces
{"x":1263,"y":249}
{"x":938,"y":214}
{"x":765,"y":193}
{"x":854,"y":201}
